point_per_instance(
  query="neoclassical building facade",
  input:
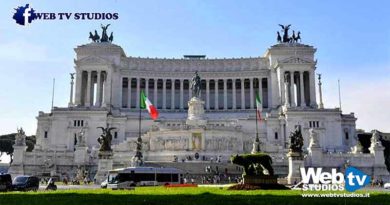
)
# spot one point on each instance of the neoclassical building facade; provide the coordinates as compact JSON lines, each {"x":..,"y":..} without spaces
{"x":106,"y":91}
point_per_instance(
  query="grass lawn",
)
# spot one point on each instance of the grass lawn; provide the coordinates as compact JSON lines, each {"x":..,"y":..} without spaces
{"x":187,"y":196}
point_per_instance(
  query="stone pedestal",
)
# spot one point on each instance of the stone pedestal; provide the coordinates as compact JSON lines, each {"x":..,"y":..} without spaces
{"x":196,"y":112}
{"x":315,"y":154}
{"x":295,"y":162}
{"x":17,"y":167}
{"x":104,"y":165}
{"x":81,"y":155}
{"x":260,"y":180}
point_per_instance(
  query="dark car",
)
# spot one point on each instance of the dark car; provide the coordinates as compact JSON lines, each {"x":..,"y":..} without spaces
{"x":25,"y":183}
{"x":5,"y":182}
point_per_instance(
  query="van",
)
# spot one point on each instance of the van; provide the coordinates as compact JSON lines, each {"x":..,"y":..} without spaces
{"x":25,"y":183}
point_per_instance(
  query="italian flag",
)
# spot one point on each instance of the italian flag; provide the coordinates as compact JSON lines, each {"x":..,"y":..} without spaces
{"x":258,"y":106}
{"x":146,"y":104}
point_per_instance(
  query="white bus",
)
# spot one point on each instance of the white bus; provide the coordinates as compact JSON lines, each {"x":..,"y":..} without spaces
{"x":127,"y":178}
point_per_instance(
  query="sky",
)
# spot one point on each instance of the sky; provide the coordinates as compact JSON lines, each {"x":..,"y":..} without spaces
{"x":352,"y":38}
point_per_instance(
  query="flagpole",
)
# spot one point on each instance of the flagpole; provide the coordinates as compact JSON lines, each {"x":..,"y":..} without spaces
{"x":138,"y":154}
{"x":257,"y":126}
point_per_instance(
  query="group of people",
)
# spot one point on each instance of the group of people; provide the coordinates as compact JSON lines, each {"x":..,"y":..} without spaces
{"x":377,"y":183}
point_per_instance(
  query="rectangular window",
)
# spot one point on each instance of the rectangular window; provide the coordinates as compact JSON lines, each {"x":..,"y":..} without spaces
{"x":46,"y":135}
{"x":82,"y":123}
{"x":346,"y":135}
{"x":74,"y":123}
{"x":115,"y":135}
{"x":276,"y":135}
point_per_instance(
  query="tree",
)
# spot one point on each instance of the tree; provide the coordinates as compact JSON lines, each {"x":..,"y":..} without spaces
{"x":7,"y":141}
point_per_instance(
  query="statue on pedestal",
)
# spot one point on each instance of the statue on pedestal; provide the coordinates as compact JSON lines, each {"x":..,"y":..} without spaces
{"x":314,"y":141}
{"x":81,"y":138}
{"x":20,"y":138}
{"x":105,"y":139}
{"x":296,"y":140}
{"x":196,"y":85}
{"x":375,"y":140}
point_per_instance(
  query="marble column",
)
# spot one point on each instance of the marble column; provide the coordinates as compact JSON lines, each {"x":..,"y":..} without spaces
{"x":292,"y":91}
{"x":164,"y":105}
{"x":269,"y":92}
{"x":225,"y":107}
{"x":302,"y":89}
{"x":242,"y":94}
{"x":251,"y":92}
{"x":89,"y":82}
{"x":173,"y":94}
{"x":189,"y":90}
{"x":155,"y":92}
{"x":216,"y":95}
{"x":147,"y":87}
{"x":181,"y":94}
{"x":286,"y":96}
{"x":207,"y":94}
{"x":107,"y":89}
{"x":70,"y":104}
{"x":129,"y":92}
{"x":122,"y":79}
{"x":282,"y":83}
{"x":261,"y":91}
{"x":98,"y":89}
{"x":234,"y":93}
{"x":78,"y":87}
{"x":138,"y":91}
{"x":313,"y":101}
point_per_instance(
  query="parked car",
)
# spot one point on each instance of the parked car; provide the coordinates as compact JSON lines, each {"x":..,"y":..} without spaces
{"x":25,"y":183}
{"x":5,"y":182}
{"x":386,"y":186}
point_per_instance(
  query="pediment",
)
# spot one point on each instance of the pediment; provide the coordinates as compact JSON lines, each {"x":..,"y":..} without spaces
{"x":296,"y":60}
{"x":92,"y":60}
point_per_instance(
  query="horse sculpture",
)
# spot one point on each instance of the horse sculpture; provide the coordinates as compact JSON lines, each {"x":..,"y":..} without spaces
{"x":279,"y":38}
{"x":298,"y":37}
{"x":254,"y":164}
{"x":111,"y":38}
{"x":94,"y":38}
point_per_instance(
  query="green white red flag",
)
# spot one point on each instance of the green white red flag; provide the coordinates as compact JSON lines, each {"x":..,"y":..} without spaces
{"x":146,"y":104}
{"x":258,"y":106}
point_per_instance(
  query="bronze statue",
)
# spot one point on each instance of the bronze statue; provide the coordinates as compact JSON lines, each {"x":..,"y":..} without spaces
{"x":296,"y":140}
{"x":285,"y":28}
{"x":254,"y":164}
{"x":293,"y":37}
{"x":104,"y":33}
{"x":298,"y":37}
{"x":94,"y":38}
{"x":105,"y":139}
{"x":111,"y":38}
{"x":195,"y":85}
{"x":279,"y":38}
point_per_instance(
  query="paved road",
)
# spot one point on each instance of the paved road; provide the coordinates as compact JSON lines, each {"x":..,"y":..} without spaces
{"x":74,"y":187}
